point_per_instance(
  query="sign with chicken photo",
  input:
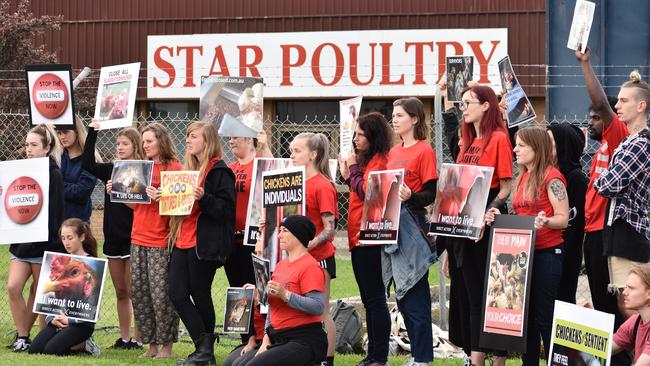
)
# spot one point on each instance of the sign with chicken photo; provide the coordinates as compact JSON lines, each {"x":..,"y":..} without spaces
{"x":238,"y":310}
{"x":510,"y":254}
{"x":116,"y":92}
{"x":233,"y":104}
{"x":71,"y":285}
{"x":381,"y":207}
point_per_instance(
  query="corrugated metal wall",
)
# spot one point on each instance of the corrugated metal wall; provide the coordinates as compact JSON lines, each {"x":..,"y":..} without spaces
{"x":99,"y":33}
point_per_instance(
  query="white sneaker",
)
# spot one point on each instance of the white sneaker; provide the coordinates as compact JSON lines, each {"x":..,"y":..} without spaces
{"x":20,"y":345}
{"x":92,"y":347}
{"x":411,"y":362}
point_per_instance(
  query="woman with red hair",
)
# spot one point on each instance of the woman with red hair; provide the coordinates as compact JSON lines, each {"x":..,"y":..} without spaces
{"x":485,"y":142}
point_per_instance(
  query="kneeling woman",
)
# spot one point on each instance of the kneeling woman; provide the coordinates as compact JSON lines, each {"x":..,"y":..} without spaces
{"x":294,"y":329}
{"x":63,"y":335}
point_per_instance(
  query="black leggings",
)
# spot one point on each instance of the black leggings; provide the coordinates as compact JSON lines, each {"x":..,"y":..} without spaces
{"x":56,"y":341}
{"x":239,"y":266}
{"x":291,"y":353}
{"x":189,"y":276}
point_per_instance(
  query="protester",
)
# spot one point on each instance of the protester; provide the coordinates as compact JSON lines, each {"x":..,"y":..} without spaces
{"x":568,"y":145}
{"x":294,"y":332}
{"x":627,"y":183}
{"x":63,"y":335}
{"x":203,"y":240}
{"x":26,"y":258}
{"x":78,"y":184}
{"x":154,"y":313}
{"x":372,"y":142}
{"x":485,"y":142}
{"x":118,"y":220}
{"x":321,"y":202}
{"x":606,"y":128}
{"x":408,"y":267}
{"x":540,"y":191}
{"x":633,"y":335}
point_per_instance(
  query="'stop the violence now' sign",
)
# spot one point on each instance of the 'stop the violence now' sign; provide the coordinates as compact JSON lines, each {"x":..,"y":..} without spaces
{"x":322,"y":64}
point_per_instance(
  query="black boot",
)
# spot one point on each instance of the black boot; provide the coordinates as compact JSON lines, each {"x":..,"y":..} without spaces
{"x":204,"y":354}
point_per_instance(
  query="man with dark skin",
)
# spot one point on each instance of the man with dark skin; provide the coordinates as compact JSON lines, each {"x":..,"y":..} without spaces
{"x":605,"y":127}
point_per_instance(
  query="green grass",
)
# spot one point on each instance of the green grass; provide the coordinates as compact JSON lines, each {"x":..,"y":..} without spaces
{"x":107,"y":332}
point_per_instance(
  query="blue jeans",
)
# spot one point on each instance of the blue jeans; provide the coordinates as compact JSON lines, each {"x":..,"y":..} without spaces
{"x":547,"y":271}
{"x":365,"y":264}
{"x":415,"y":307}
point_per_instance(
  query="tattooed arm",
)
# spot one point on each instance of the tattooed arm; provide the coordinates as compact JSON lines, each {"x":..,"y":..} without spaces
{"x":329,"y":230}
{"x":560,"y":202}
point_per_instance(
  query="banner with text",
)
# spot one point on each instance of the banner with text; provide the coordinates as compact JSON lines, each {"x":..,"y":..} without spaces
{"x":372,"y":63}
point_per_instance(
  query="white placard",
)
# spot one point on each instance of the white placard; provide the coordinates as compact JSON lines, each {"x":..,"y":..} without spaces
{"x":116,"y":92}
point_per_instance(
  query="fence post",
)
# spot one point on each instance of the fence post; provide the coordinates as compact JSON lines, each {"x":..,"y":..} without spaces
{"x":438,"y":132}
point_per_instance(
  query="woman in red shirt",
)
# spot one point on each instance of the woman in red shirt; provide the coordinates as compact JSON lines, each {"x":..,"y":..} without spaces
{"x":372,"y":141}
{"x":296,"y":302}
{"x":202,"y":241}
{"x":540,"y":191}
{"x":485,"y":142}
{"x":154,"y":314}
{"x":415,"y":155}
{"x":312,"y":151}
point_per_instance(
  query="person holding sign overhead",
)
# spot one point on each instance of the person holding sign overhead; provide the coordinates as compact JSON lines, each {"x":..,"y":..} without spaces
{"x":154,"y":313}
{"x":26,"y":258}
{"x":540,"y":191}
{"x":413,"y":154}
{"x":312,"y":151}
{"x":118,"y":221}
{"x":78,"y":184}
{"x":372,"y":141}
{"x":202,"y":241}
{"x":63,"y":335}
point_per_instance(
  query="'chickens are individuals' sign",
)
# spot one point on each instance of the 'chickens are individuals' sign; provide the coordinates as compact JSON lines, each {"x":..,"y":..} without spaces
{"x":71,"y":285}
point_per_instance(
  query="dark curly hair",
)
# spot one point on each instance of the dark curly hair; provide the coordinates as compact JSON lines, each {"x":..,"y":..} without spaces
{"x":379,"y":134}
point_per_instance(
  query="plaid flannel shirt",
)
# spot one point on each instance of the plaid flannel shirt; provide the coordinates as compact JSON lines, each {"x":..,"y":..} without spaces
{"x":627,"y":183}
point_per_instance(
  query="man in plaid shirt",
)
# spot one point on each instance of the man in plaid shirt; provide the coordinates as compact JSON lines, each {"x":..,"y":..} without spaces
{"x":627,"y":183}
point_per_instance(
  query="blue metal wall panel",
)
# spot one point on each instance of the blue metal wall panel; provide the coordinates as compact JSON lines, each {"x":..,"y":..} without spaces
{"x":619,"y":40}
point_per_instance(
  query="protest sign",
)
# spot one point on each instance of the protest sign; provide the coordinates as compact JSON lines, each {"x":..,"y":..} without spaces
{"x":116,"y":92}
{"x":70,"y":284}
{"x":519,"y":109}
{"x":130,"y":180}
{"x":283,"y":195}
{"x":233,"y":104}
{"x":238,"y":311}
{"x":580,"y":336}
{"x":49,"y":91}
{"x":25,"y":197}
{"x":177,"y":196}
{"x":262,"y":271}
{"x":461,"y":197}
{"x":348,"y":112}
{"x":507,"y":279}
{"x":583,"y":17}
{"x":459,"y":72}
{"x":381,"y":207}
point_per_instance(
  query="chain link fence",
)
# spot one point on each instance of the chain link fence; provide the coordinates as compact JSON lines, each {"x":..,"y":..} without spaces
{"x":14,"y":127}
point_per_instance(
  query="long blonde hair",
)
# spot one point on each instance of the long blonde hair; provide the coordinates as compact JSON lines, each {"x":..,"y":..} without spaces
{"x":321,"y":145}
{"x":136,"y":140}
{"x":82,"y":134}
{"x":49,"y":139}
{"x":540,"y":141}
{"x":211,"y":150}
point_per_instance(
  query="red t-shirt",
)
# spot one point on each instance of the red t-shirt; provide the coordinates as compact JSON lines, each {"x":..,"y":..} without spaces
{"x":418,"y":162}
{"x":355,"y":210}
{"x":259,"y":321}
{"x":595,"y":204}
{"x":301,"y":276}
{"x":640,"y":345}
{"x":243,"y":178}
{"x":321,"y":198}
{"x":497,"y":154}
{"x":187,"y":234}
{"x":149,"y":228}
{"x":546,"y":237}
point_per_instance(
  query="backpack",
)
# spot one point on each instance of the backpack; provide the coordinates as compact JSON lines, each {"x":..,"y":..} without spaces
{"x":348,"y":328}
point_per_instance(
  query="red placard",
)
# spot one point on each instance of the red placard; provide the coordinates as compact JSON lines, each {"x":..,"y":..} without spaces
{"x":23,"y":200}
